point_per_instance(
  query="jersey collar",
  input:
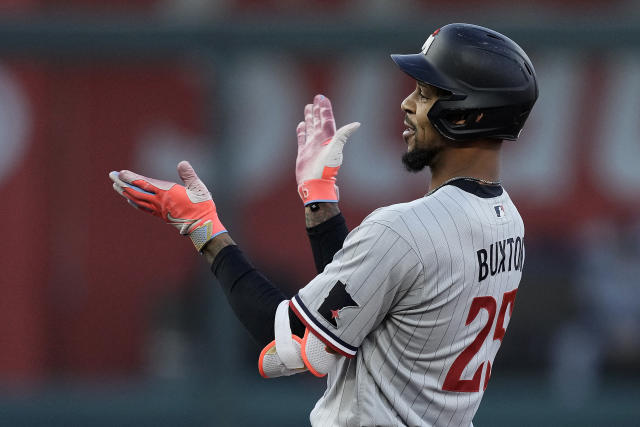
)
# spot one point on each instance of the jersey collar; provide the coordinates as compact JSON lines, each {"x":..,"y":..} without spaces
{"x":477,"y":188}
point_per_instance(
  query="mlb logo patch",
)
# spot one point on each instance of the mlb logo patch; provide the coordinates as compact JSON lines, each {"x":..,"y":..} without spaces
{"x":500,"y":213}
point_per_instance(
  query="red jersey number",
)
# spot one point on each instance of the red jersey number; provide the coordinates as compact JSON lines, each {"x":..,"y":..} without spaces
{"x":452,"y":381}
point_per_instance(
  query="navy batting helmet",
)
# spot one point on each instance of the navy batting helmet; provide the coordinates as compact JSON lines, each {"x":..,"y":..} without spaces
{"x":491,"y":79}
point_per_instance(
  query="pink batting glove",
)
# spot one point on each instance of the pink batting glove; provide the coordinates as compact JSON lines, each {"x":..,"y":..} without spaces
{"x":190,"y":209}
{"x":320,"y":152}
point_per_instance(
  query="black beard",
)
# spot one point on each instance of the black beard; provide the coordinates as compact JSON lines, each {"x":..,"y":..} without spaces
{"x":419,"y":158}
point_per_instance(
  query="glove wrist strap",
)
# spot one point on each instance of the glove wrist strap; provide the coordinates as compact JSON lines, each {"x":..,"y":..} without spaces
{"x":318,"y":190}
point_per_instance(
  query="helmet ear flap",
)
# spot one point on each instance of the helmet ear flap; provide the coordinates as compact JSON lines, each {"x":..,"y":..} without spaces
{"x":461,"y":119}
{"x":468,"y":118}
{"x":467,"y":124}
{"x":457,"y":122}
{"x":449,"y":123}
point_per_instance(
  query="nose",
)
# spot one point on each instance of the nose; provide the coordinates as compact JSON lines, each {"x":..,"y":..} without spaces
{"x":408,"y":105}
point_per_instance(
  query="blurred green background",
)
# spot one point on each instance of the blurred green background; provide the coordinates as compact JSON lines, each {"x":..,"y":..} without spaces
{"x":108,"y":318}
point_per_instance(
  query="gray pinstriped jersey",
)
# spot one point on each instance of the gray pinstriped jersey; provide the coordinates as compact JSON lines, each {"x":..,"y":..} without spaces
{"x":419,"y":299}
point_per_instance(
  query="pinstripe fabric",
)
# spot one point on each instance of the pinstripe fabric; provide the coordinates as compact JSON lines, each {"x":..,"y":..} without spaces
{"x":413,"y":269}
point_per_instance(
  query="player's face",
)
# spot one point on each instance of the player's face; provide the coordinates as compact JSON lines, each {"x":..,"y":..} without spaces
{"x":424,"y":143}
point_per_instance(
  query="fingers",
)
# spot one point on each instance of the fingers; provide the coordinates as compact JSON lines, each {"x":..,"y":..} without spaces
{"x":301,"y":132}
{"x":327,"y":122}
{"x":324,"y":106}
{"x":134,"y":199}
{"x":318,"y":117}
{"x":328,"y":128}
{"x":128,"y":176}
{"x":119,"y":185}
{"x":348,"y":130}
{"x":139,"y":207}
{"x":308,"y":117}
{"x":187,"y":173}
{"x":343,"y":134}
{"x":316,"y":111}
{"x":134,"y":180}
{"x":137,"y":196}
{"x":118,"y":189}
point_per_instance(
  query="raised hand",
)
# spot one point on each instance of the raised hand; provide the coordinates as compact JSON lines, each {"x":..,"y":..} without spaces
{"x":320,"y":152}
{"x":188,"y":208}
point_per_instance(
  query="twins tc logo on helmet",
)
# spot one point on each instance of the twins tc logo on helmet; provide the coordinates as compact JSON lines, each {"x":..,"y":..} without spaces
{"x":427,"y":44}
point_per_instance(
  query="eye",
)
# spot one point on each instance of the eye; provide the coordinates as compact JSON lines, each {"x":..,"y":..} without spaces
{"x":422,"y":94}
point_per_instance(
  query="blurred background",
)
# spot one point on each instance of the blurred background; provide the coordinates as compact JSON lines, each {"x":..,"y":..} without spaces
{"x":109,"y":318}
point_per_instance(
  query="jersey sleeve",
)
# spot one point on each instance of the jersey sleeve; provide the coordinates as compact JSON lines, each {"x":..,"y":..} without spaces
{"x":356,"y":290}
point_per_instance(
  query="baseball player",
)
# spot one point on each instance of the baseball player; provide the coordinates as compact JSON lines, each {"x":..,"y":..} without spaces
{"x":408,"y":310}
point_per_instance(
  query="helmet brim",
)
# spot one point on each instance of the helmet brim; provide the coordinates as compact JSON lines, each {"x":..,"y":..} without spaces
{"x":417,"y":66}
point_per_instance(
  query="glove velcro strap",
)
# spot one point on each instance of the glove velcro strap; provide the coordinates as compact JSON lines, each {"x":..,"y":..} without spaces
{"x":288,"y":352}
{"x":318,"y":190}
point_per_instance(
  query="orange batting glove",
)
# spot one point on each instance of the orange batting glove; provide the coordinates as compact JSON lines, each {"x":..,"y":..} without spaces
{"x":320,"y":152}
{"x":190,"y":209}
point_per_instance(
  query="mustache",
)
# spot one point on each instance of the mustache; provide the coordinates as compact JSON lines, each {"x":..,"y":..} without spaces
{"x":409,"y":122}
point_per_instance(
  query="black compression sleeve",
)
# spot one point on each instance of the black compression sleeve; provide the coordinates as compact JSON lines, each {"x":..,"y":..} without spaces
{"x":326,"y":239}
{"x":253,"y":298}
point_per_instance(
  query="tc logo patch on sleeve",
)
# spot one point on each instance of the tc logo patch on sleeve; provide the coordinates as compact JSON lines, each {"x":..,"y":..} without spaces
{"x":337,"y":299}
